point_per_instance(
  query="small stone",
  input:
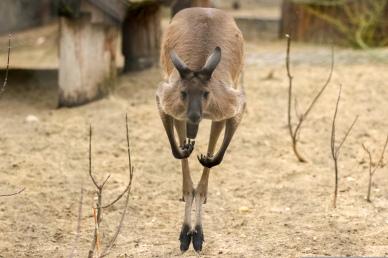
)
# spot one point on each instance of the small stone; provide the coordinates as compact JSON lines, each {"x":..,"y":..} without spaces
{"x":40,"y":41}
{"x":244,"y":209}
{"x":32,"y":119}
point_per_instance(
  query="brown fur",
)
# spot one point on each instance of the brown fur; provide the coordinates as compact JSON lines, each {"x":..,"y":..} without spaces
{"x":193,"y":34}
{"x":208,"y":91}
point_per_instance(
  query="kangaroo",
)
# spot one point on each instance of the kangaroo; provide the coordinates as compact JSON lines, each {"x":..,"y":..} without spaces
{"x":202,"y":56}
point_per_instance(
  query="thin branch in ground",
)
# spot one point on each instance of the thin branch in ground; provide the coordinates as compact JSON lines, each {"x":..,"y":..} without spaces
{"x":78,"y":234}
{"x":97,"y":210}
{"x":7,"y":67}
{"x":99,"y":207}
{"x":12,"y":194}
{"x":127,"y":189}
{"x":374,"y":166}
{"x":294,"y":130}
{"x":335,"y":150}
{"x":2,"y":89}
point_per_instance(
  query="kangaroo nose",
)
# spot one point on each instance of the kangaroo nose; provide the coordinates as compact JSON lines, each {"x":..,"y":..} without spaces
{"x":194,"y":118}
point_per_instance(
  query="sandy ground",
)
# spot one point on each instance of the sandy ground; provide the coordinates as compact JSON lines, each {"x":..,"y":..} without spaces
{"x":261,"y":203}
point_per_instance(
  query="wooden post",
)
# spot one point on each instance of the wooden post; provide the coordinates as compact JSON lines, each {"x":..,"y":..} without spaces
{"x":87,"y":66}
{"x":141,"y":33}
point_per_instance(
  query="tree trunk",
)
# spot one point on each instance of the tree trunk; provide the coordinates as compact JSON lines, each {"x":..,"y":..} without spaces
{"x":87,"y":67}
{"x":141,"y":35}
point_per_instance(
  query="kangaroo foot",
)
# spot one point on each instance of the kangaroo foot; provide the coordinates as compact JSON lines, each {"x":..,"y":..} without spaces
{"x":185,"y":237}
{"x":198,"y":238}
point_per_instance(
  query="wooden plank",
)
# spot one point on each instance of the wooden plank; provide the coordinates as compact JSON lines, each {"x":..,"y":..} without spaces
{"x":86,"y":60}
{"x":141,"y":37}
{"x":97,"y":15}
{"x":114,"y":8}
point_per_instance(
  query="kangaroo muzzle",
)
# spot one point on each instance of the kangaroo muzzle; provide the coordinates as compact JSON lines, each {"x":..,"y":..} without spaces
{"x":191,"y":130}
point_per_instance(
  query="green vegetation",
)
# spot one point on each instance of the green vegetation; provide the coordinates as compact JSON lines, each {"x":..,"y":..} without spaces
{"x":361,"y":22}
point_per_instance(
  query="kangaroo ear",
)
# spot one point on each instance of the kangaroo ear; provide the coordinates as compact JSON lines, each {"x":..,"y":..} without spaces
{"x":211,"y":63}
{"x":182,"y":68}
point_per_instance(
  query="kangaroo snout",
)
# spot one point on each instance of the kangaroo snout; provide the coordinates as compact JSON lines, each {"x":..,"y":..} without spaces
{"x":192,"y":130}
{"x":194,"y":117}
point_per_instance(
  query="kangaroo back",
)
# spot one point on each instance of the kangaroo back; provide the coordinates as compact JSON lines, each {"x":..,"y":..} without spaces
{"x":194,"y":33}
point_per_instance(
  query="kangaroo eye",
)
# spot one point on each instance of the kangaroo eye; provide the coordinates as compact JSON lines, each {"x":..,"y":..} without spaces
{"x":183,"y":95}
{"x":206,"y":94}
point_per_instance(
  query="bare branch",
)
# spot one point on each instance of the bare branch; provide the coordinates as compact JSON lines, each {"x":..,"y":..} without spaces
{"x":12,"y":194}
{"x":295,"y":132}
{"x":332,"y":146}
{"x":99,"y":208}
{"x":7,"y":68}
{"x":120,"y":196}
{"x":289,"y":83}
{"x":335,"y":150}
{"x":130,"y":168}
{"x":380,"y":162}
{"x":90,"y":158}
{"x":95,"y":242}
{"x":79,"y":222}
{"x":324,"y":85}
{"x":128,"y":190}
{"x":346,"y":135}
{"x":106,"y":180}
{"x":312,"y":104}
{"x":106,"y":251}
{"x":370,"y":158}
{"x":97,"y":220}
{"x":373,"y":167}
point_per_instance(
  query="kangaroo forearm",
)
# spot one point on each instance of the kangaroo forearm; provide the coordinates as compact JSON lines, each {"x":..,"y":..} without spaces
{"x":168,"y":124}
{"x":178,"y":152}
{"x":230,"y":128}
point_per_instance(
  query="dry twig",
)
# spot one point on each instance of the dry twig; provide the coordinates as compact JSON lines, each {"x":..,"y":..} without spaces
{"x":335,"y":150}
{"x":78,"y":234}
{"x":128,"y":190}
{"x":12,"y":194}
{"x":7,"y":68}
{"x":374,"y":166}
{"x":2,"y":89}
{"x":99,"y":207}
{"x":295,"y":131}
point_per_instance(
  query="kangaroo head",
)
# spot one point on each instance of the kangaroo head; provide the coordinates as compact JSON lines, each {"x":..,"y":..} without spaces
{"x":193,"y":85}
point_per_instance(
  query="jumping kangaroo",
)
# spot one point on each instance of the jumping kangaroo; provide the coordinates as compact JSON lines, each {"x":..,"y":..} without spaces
{"x":202,"y":59}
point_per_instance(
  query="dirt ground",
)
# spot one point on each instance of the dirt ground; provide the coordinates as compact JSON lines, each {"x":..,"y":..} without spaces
{"x":261,"y":203}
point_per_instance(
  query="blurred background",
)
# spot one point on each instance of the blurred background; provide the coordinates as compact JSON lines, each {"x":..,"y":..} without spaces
{"x":76,"y":63}
{"x":55,"y":34}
